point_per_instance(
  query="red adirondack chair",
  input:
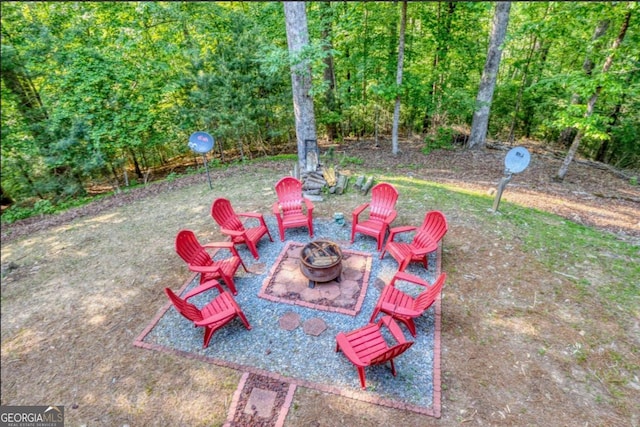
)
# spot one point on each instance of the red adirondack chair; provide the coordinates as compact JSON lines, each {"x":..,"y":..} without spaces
{"x":382,"y":212}
{"x":200,"y":261}
{"x":367,"y":346}
{"x":230,"y":224}
{"x":217,"y":313}
{"x":425,"y":240}
{"x":404,"y":307}
{"x":289,"y":209}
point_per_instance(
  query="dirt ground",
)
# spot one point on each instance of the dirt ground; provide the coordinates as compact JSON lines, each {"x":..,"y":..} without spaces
{"x":521,"y":345}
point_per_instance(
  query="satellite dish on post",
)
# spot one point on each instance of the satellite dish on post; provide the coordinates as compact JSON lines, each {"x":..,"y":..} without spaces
{"x":516,"y":160}
{"x":202,"y":143}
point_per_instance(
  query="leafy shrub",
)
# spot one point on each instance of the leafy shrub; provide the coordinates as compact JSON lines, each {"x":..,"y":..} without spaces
{"x":442,"y":140}
{"x":18,"y":212}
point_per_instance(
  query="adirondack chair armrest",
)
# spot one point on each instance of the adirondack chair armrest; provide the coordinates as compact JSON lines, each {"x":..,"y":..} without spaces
{"x":218,"y":317}
{"x":204,"y":269}
{"x":275,"y":208}
{"x":398,"y":230}
{"x":357,"y":211}
{"x":407,"y":277}
{"x":256,"y":215}
{"x":345,"y":346}
{"x":393,"y":327}
{"x":222,"y":245}
{"x":218,"y":245}
{"x":309,"y":204}
{"x":253,"y":215}
{"x":234,"y":233}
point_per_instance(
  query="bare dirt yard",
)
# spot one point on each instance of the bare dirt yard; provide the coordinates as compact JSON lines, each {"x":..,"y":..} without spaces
{"x":521,"y":344}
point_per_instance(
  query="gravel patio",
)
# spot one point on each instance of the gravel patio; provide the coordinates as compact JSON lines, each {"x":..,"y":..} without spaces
{"x":297,"y":357}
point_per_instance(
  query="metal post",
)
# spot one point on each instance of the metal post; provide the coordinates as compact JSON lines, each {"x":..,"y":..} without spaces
{"x":206,"y":167}
{"x":503,"y":183}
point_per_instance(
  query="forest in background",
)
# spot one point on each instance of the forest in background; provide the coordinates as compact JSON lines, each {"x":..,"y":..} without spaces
{"x":91,"y":90}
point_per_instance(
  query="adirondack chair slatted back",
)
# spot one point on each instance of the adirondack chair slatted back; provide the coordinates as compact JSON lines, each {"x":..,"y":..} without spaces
{"x":289,"y":192}
{"x":223,"y":213}
{"x":435,"y":224}
{"x":185,"y":308}
{"x":190,"y":250}
{"x":384,"y":197}
{"x":432,"y":230}
{"x":428,"y":296}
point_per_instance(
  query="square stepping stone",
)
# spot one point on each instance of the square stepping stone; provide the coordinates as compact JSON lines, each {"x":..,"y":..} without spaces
{"x":261,"y":402}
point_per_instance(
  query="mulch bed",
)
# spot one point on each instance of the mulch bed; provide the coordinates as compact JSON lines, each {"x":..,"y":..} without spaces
{"x":260,"y":401}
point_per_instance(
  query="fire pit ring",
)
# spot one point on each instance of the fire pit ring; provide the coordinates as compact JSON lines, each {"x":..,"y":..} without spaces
{"x":321,"y":261}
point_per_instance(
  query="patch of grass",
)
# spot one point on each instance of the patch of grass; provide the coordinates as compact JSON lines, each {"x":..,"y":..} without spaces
{"x":278,"y":157}
{"x":349,"y":160}
{"x":569,"y":249}
{"x":172,"y":177}
{"x":42,"y":207}
{"x":560,"y":245}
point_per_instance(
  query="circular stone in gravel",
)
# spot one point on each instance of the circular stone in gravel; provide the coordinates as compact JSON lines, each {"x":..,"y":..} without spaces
{"x":314,"y":326}
{"x":289,"y":321}
{"x":379,"y":284}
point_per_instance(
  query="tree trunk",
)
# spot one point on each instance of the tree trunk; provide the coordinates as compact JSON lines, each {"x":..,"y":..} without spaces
{"x":329,"y":73}
{"x":525,"y":74}
{"x":443,"y":39}
{"x":365,"y":43}
{"x":297,"y":38}
{"x":528,"y":108}
{"x":136,"y":165}
{"x":569,"y":133}
{"x":480,"y":122}
{"x":562,"y":172}
{"x":396,"y":111}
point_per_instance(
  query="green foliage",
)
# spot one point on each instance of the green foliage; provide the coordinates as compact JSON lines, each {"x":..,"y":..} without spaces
{"x":41,"y":207}
{"x":281,"y":157}
{"x":442,"y":140}
{"x":350,"y":160}
{"x":90,"y":88}
{"x":172,"y":177}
